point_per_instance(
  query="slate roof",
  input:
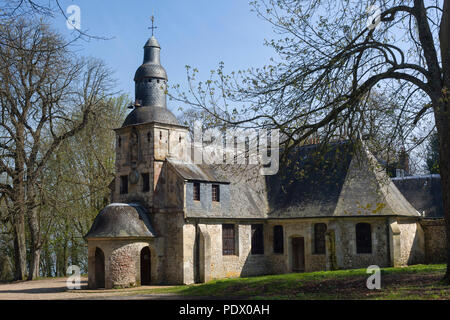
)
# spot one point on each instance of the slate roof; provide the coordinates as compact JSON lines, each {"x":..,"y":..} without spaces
{"x":311,"y":183}
{"x":150,"y":114}
{"x":248,"y":193}
{"x":341,"y":180}
{"x":150,"y":70}
{"x":121,"y":220}
{"x":423,"y":192}
{"x":196,"y":172}
{"x":244,"y":198}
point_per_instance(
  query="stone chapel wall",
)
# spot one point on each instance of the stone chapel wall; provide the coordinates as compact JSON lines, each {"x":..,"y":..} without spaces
{"x":435,"y":240}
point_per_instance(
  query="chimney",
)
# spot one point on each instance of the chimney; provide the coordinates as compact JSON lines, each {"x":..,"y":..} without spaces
{"x":403,"y":161}
{"x":399,"y":173}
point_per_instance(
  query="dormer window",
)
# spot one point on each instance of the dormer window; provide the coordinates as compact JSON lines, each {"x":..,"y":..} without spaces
{"x":196,"y":191}
{"x":215,"y":193}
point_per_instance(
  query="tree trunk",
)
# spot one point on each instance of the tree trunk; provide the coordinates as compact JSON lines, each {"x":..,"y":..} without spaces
{"x":66,"y":256}
{"x":35,"y":240}
{"x":20,"y":252}
{"x":48,"y":261}
{"x":34,"y":264}
{"x":444,"y":167}
{"x":443,"y":123}
{"x":442,"y":117}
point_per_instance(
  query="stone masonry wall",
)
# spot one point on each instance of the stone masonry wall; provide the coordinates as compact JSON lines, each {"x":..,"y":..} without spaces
{"x":122,"y":261}
{"x":169,"y":226}
{"x":243,"y":263}
{"x":435,"y":240}
{"x":174,"y":255}
{"x":412,"y":248}
{"x":346,"y":254}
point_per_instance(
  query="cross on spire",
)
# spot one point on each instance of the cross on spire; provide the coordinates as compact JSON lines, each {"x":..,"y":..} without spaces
{"x":153,"y":21}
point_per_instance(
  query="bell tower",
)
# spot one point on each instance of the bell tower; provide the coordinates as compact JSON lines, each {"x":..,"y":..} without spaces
{"x":149,"y":134}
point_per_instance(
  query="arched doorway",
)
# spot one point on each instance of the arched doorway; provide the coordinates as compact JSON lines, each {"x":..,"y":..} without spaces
{"x":145,"y":266}
{"x":99,"y":268}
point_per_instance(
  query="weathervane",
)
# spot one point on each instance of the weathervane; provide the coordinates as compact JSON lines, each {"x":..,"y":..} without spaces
{"x":153,"y":21}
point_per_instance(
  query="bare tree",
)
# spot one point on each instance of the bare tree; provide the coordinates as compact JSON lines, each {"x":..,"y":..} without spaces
{"x":331,"y":56}
{"x":47,"y":95}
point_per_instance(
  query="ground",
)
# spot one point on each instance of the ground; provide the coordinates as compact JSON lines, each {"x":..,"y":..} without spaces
{"x":414,"y":282}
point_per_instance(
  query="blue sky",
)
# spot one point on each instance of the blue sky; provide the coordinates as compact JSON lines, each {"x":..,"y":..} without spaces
{"x":199,"y":33}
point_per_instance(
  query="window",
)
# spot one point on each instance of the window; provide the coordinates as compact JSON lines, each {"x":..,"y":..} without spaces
{"x":319,"y":238}
{"x":363,"y":238}
{"x":278,"y":239}
{"x":257,"y":239}
{"x":196,"y":191}
{"x":123,"y":184}
{"x":215,"y":193}
{"x":145,"y":182}
{"x":228,"y":240}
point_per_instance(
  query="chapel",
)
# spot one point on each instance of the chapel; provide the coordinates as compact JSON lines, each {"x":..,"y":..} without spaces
{"x":174,"y":221}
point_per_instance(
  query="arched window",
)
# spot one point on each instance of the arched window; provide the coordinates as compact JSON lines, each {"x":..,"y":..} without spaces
{"x":278,"y":240}
{"x":257,"y":239}
{"x":319,"y":238}
{"x":363,"y":238}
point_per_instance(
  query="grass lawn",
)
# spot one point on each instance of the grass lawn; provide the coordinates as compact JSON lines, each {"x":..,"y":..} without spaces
{"x":413,"y":282}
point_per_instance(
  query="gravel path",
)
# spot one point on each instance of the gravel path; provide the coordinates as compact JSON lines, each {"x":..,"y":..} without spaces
{"x":55,"y":289}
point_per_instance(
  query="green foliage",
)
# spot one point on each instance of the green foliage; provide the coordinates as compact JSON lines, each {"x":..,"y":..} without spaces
{"x":75,"y":183}
{"x":340,"y":284}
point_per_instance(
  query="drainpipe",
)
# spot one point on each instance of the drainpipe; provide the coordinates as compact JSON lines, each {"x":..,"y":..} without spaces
{"x":197,"y":253}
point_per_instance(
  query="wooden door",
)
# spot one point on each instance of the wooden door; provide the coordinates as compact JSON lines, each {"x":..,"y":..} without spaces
{"x":298,"y":254}
{"x":145,"y":266}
